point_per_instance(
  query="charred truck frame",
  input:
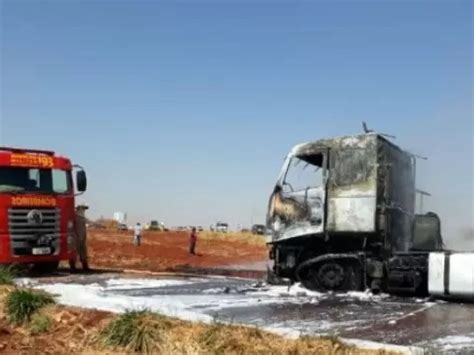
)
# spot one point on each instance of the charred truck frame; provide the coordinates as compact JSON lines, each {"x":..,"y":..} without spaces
{"x":342,"y":217}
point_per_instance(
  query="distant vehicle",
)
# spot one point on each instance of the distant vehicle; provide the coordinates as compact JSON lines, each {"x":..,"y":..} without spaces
{"x":199,"y":228}
{"x":258,"y":229}
{"x":154,"y":226}
{"x":122,"y":227}
{"x":222,"y":227}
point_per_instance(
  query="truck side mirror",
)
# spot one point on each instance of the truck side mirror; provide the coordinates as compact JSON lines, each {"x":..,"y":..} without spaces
{"x":81,"y":180}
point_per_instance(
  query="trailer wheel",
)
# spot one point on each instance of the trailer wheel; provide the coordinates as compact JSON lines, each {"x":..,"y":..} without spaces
{"x":46,"y":268}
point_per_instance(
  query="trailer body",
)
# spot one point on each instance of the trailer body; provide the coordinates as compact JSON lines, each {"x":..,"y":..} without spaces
{"x":451,"y":275}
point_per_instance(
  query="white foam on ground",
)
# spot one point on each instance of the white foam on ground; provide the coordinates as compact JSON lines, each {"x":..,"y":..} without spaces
{"x":287,"y":331}
{"x":127,"y":284}
{"x":96,"y":297}
{"x":455,"y":342}
{"x":363,"y":296}
{"x":215,"y":291}
{"x":191,"y":307}
{"x":371,"y":345}
{"x":200,"y":307}
{"x":295,"y":290}
{"x":25,"y":282}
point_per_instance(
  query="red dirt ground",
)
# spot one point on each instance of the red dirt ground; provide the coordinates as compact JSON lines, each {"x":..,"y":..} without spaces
{"x":168,"y":251}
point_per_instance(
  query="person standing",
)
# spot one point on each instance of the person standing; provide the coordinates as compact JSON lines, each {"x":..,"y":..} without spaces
{"x":137,"y":239}
{"x":80,"y":239}
{"x":192,"y":241}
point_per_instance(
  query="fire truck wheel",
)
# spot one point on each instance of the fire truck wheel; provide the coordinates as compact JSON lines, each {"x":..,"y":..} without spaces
{"x":47,"y":267}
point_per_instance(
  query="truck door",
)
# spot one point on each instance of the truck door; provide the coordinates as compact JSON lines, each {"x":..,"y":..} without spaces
{"x":298,"y":204}
{"x":352,"y":191}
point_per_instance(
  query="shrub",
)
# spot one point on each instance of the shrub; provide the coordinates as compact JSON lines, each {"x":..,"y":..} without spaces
{"x":21,"y":304}
{"x":40,"y":323}
{"x":136,"y":331}
{"x":7,"y":275}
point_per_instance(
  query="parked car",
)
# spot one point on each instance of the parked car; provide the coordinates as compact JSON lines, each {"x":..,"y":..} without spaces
{"x":258,"y":229}
{"x":154,"y":226}
{"x":122,"y":227}
{"x":222,"y":227}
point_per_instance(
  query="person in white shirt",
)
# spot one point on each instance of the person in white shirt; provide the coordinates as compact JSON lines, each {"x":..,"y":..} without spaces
{"x":137,"y":239}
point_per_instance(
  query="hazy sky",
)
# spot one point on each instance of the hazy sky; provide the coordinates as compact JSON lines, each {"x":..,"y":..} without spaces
{"x":183,"y":111}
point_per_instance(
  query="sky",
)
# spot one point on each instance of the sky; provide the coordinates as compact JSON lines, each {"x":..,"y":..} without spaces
{"x":183,"y":111}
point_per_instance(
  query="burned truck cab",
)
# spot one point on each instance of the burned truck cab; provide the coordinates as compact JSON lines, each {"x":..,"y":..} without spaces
{"x":341,"y":209}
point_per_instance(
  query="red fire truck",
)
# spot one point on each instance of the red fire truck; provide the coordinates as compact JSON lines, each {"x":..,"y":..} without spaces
{"x":37,"y":207}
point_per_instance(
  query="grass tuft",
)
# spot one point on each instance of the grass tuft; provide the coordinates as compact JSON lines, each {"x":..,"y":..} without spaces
{"x":21,"y":304}
{"x":7,"y":275}
{"x":136,"y":331}
{"x":220,"y":339}
{"x":40,"y":323}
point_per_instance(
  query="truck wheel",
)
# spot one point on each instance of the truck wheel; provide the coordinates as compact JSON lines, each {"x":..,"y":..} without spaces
{"x":46,"y":268}
{"x":332,"y":276}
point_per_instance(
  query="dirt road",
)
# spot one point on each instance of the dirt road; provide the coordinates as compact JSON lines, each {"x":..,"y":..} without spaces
{"x":168,"y":251}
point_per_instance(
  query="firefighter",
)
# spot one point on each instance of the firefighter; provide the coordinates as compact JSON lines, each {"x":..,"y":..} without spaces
{"x":80,"y":238}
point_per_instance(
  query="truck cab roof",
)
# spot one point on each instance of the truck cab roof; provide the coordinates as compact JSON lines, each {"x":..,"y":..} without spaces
{"x":352,"y":141}
{"x":33,"y":158}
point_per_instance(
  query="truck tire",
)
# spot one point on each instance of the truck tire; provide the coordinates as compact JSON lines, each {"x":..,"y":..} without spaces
{"x":332,"y":275}
{"x":46,"y":268}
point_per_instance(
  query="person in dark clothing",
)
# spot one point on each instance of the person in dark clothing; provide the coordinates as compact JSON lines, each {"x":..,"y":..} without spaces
{"x":192,"y":242}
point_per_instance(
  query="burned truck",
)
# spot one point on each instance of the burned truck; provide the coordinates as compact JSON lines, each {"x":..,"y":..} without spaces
{"x":342,"y":217}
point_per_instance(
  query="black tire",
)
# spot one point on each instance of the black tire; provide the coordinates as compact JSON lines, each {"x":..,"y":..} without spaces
{"x":46,"y":267}
{"x":333,"y":275}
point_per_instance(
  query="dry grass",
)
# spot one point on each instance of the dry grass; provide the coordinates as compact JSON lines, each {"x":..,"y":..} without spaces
{"x":188,"y":338}
{"x":234,"y":237}
{"x":40,"y":323}
{"x":136,"y":331}
{"x":72,"y":330}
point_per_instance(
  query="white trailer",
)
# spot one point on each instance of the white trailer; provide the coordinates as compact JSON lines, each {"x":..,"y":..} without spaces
{"x":451,"y":275}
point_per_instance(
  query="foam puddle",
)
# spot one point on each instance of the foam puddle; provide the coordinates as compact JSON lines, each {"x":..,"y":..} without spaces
{"x":455,"y":343}
{"x":113,"y":296}
{"x":205,"y":299}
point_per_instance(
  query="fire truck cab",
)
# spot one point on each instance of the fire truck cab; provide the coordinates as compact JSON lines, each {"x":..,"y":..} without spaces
{"x":37,"y":216}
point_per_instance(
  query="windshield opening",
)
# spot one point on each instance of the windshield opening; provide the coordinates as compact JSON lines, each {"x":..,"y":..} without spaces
{"x":34,"y":180}
{"x":305,"y":171}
